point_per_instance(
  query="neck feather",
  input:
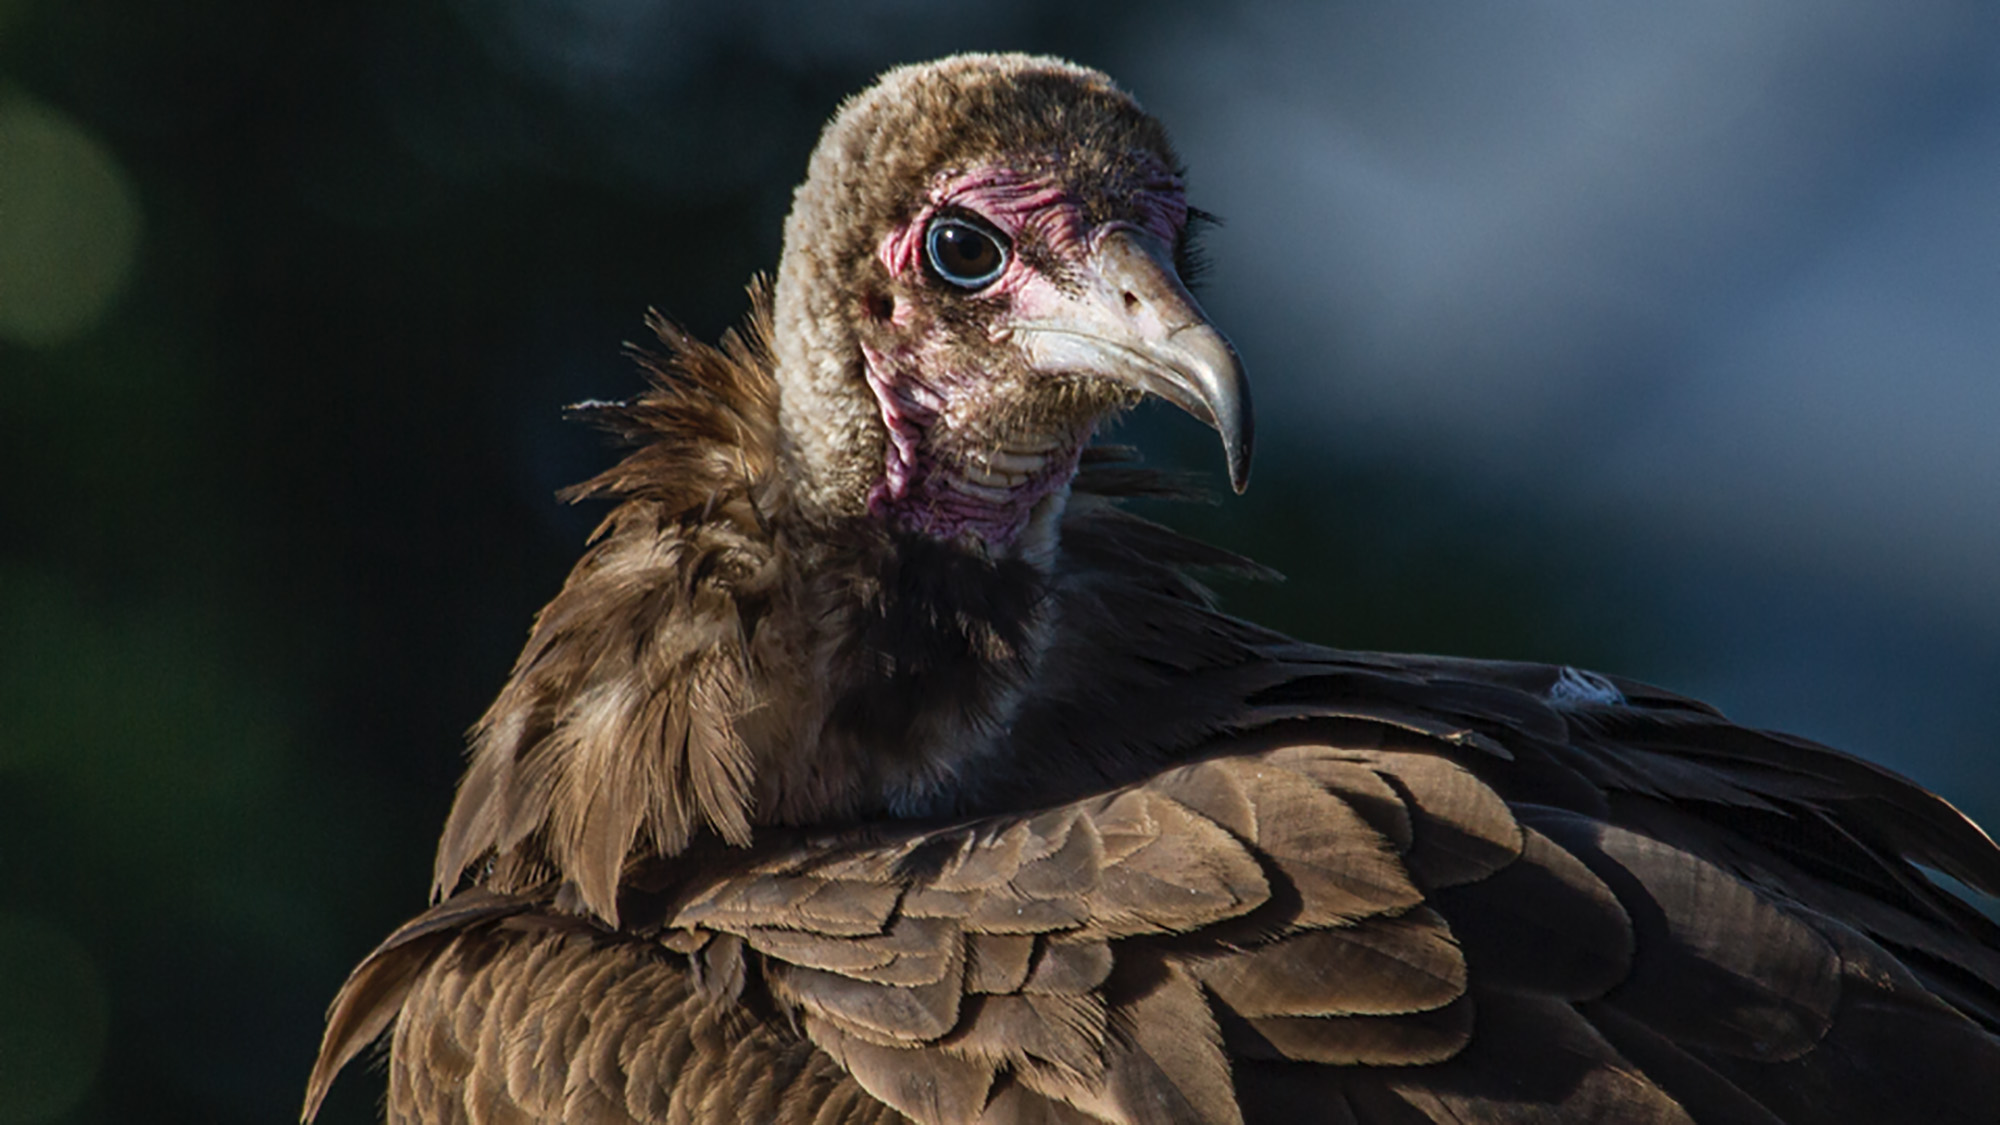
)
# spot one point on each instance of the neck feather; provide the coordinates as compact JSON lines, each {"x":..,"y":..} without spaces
{"x":719,"y":661}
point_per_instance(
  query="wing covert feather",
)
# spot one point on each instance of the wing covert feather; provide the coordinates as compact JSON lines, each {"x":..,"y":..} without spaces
{"x":1374,"y":927}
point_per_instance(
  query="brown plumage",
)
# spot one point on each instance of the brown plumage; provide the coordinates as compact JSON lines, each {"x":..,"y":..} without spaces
{"x":874,"y":765}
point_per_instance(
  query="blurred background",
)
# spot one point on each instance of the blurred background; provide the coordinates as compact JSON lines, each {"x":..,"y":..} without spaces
{"x":1663,"y":339}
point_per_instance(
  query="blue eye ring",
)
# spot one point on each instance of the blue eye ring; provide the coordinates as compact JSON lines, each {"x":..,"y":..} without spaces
{"x":963,"y":253}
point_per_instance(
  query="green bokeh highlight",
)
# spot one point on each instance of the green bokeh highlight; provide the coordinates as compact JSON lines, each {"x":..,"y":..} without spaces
{"x":69,"y":224}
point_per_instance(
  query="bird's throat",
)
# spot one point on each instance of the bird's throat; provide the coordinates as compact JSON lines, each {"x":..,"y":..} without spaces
{"x":953,"y":474}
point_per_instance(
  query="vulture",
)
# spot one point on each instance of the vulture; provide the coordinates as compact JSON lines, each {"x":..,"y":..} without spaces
{"x":875,"y":764}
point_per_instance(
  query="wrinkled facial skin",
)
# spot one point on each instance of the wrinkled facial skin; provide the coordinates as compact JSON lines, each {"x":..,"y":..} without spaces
{"x":979,"y":433}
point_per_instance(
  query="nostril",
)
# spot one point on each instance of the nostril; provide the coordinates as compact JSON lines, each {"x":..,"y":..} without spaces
{"x":1131,"y":301}
{"x":880,"y":306}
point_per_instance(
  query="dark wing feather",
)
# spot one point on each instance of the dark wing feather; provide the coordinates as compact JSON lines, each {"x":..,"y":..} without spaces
{"x":1372,"y":930}
{"x":375,"y":992}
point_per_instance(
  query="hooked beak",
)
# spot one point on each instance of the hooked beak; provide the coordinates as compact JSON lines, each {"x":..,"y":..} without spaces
{"x":1134,"y":322}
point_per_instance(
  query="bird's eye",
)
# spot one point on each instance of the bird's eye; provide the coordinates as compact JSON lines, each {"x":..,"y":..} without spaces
{"x":967,"y":255}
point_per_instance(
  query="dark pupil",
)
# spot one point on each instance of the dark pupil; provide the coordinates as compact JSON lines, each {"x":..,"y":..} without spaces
{"x":965,"y":254}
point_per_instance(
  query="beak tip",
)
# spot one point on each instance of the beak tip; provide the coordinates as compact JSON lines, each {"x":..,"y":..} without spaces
{"x":1238,"y":457}
{"x":1238,"y":427}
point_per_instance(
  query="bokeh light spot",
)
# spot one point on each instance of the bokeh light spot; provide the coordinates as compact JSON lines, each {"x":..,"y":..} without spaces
{"x":52,"y":1020}
{"x":69,"y":225}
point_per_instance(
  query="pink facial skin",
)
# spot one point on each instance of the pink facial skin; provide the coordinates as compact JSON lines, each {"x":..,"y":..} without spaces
{"x":908,"y":406}
{"x":1028,"y":206}
{"x":915,"y":385}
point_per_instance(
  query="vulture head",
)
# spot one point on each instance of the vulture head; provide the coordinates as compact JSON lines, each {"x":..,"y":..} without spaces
{"x":983,"y":262}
